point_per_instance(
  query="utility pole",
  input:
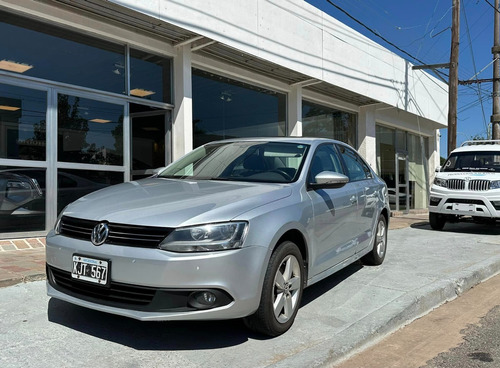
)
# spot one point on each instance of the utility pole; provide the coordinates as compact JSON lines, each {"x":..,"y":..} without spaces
{"x":495,"y":117}
{"x":453,"y":87}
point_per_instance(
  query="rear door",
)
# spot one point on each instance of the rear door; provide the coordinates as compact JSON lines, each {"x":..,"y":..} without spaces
{"x":366,"y":192}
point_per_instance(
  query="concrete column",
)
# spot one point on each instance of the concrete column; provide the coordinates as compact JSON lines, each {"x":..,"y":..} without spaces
{"x":367,"y":146}
{"x":295,"y":111}
{"x":435,"y":154}
{"x":182,"y":122}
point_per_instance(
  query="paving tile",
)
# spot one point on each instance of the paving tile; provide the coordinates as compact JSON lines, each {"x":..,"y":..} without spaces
{"x":21,"y":244}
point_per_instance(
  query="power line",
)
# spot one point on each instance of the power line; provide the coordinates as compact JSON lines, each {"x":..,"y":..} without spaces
{"x":374,"y":32}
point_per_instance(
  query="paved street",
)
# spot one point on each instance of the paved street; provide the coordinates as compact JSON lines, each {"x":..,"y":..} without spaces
{"x":357,"y":306}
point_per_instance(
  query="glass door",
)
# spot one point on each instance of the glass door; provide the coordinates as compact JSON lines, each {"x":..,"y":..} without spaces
{"x":150,"y":142}
{"x":402,"y":193}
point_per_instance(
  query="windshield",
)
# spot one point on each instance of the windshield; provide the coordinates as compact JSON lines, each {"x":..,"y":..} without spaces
{"x":487,"y":161}
{"x":274,"y":162}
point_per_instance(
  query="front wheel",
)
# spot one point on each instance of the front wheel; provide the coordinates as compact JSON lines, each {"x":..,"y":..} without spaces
{"x":281,"y":292}
{"x":437,"y":221}
{"x":377,"y":254}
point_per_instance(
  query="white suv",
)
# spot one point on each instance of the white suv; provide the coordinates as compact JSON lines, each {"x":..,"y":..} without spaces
{"x":467,"y":185}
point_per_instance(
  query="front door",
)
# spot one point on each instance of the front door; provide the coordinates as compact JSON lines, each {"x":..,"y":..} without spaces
{"x":402,"y":192}
{"x":150,"y":142}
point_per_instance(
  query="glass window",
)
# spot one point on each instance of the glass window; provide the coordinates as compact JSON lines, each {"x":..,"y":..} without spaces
{"x":417,"y":171}
{"x":225,"y":108}
{"x":73,"y":184}
{"x":22,"y":123}
{"x":39,"y":50}
{"x":22,"y":199}
{"x":150,"y":76}
{"x":356,"y":167}
{"x":258,"y":161}
{"x":325,"y":159}
{"x":386,"y":152}
{"x":325,"y":122}
{"x":89,"y":131}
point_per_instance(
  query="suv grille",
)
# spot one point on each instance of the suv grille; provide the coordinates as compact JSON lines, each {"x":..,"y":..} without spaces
{"x":478,"y":185}
{"x":119,"y":234}
{"x":457,"y":184}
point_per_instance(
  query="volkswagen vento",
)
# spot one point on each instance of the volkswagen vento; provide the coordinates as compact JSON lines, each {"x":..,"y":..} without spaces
{"x":234,"y":229}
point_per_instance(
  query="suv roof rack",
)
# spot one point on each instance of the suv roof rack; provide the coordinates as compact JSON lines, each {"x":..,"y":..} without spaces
{"x":478,"y":142}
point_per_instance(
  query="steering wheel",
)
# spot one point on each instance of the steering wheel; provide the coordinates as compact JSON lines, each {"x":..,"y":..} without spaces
{"x":283,"y":173}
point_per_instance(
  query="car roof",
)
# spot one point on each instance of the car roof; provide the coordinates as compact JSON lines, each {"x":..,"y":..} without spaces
{"x":299,"y":140}
{"x":478,"y":148}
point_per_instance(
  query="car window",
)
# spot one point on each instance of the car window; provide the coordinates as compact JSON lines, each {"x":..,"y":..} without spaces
{"x":356,"y":167}
{"x":473,"y":161}
{"x":325,"y":158}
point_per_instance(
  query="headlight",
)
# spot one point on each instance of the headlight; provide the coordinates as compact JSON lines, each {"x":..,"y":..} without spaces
{"x":206,"y":238}
{"x":441,"y":182}
{"x":495,"y":184}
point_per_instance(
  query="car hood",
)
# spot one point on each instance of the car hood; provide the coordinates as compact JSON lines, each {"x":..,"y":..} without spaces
{"x":174,"y":203}
{"x":469,"y":174}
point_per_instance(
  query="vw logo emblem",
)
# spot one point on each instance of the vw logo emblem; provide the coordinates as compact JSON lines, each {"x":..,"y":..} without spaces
{"x":99,"y":233}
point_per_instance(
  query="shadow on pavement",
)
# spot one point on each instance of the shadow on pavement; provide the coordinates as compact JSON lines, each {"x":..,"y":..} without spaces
{"x":315,"y":291}
{"x":155,"y":335}
{"x":463,"y":227}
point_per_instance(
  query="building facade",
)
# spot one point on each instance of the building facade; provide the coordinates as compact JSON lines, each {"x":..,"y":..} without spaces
{"x":95,"y":93}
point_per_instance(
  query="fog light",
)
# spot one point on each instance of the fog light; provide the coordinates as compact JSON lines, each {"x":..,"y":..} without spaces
{"x":203,"y":299}
{"x":434,"y":201}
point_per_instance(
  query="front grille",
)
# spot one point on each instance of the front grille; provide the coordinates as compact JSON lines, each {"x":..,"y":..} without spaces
{"x":119,"y":234}
{"x":456,"y":184}
{"x":479,"y":185}
{"x":465,"y":201}
{"x":116,"y":293}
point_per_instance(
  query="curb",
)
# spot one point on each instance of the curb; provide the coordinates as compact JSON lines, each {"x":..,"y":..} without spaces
{"x":410,"y":307}
{"x":24,"y":279}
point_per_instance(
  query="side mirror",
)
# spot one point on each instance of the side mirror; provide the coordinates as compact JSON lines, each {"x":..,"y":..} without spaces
{"x":438,"y":169}
{"x":329,"y":179}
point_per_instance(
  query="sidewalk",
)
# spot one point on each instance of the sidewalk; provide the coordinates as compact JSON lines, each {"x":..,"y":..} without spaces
{"x":23,"y":260}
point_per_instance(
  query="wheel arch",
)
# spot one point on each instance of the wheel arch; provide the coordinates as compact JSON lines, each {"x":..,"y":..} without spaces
{"x":296,"y":237}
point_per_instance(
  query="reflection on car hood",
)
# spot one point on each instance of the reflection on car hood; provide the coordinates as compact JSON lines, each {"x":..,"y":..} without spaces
{"x":173,"y":203}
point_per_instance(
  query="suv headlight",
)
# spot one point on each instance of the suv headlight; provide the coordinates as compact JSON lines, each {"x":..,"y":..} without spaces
{"x":441,"y":182}
{"x":206,"y":238}
{"x":495,"y":184}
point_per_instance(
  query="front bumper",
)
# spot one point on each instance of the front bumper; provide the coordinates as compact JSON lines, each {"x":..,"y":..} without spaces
{"x":447,"y":202}
{"x":235,"y":276}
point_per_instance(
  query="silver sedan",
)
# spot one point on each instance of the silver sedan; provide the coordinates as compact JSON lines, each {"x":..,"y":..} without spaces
{"x":234,"y":229}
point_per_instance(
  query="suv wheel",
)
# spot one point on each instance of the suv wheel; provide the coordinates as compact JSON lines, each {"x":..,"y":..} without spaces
{"x":437,"y":221}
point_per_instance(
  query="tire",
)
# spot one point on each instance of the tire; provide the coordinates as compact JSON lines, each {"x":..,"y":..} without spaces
{"x":437,"y":221}
{"x":283,"y":283}
{"x":377,"y":254}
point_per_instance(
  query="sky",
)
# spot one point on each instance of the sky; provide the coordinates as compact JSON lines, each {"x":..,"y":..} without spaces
{"x":422,"y":28}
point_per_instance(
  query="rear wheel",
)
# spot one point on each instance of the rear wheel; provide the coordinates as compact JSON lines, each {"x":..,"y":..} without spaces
{"x":377,"y":254}
{"x":437,"y":221}
{"x":281,"y":292}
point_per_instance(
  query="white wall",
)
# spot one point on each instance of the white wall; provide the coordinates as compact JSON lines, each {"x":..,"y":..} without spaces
{"x":302,"y":38}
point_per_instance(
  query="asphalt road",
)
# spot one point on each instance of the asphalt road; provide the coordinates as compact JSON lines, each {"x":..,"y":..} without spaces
{"x":481,"y":346}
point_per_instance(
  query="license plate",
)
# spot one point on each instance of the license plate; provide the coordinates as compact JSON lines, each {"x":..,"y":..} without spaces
{"x":464,"y":207}
{"x":90,"y":269}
